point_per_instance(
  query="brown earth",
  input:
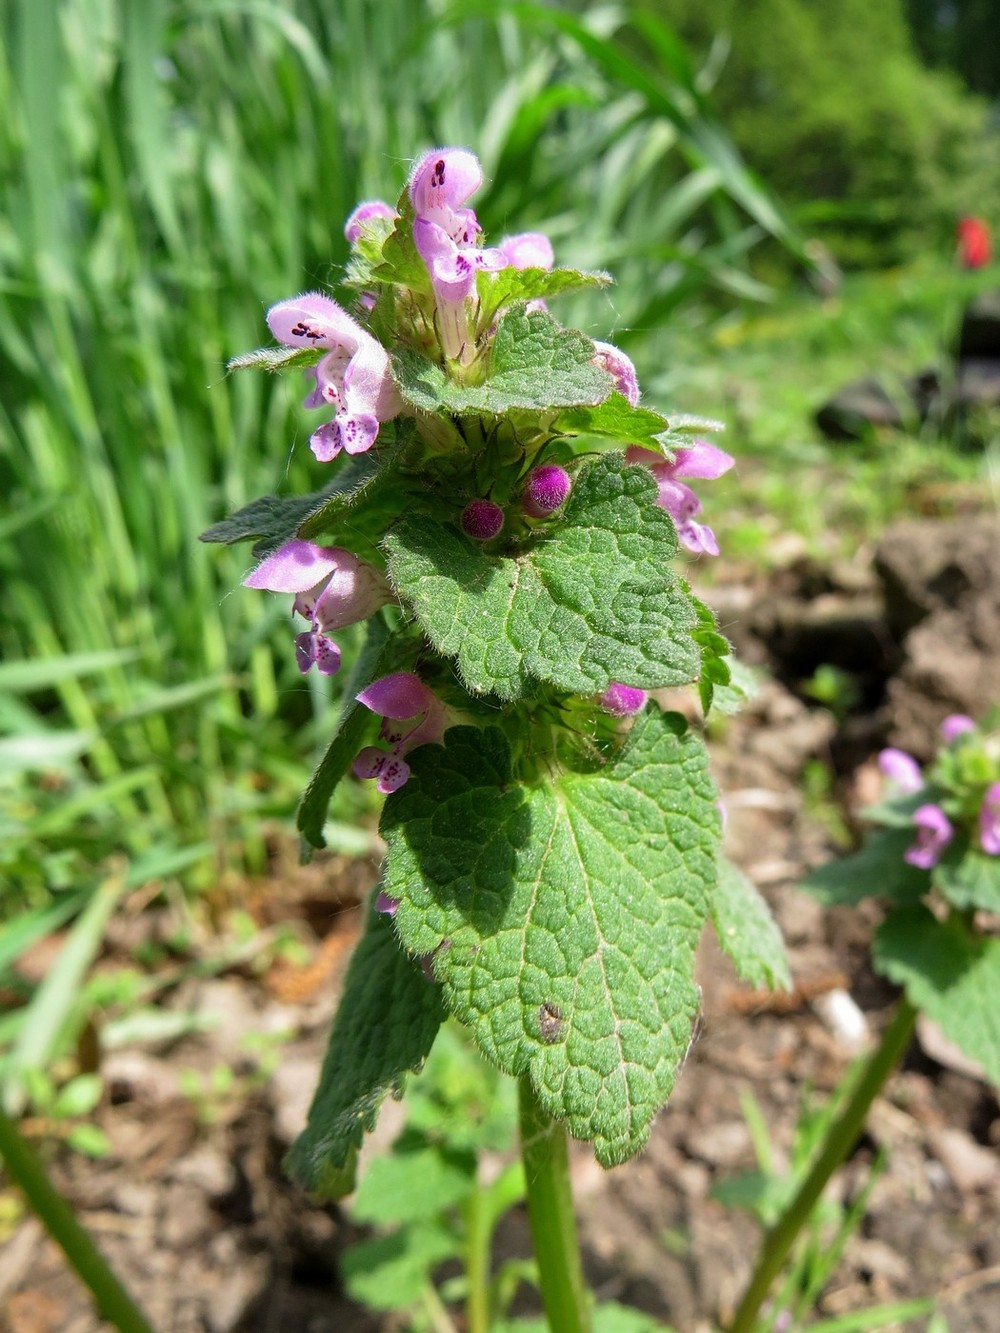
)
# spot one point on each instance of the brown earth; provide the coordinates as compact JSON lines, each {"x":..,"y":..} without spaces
{"x":191,"y":1206}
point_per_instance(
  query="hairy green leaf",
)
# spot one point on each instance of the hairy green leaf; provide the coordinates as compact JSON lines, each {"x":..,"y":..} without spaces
{"x":533,"y":364}
{"x":563,"y":918}
{"x":970,"y":879}
{"x":747,"y":931}
{"x":876,"y":871}
{"x":949,"y":973}
{"x":615,"y":419}
{"x":387,"y":1020}
{"x":532,"y":284}
{"x":277,"y":358}
{"x":591,"y":600}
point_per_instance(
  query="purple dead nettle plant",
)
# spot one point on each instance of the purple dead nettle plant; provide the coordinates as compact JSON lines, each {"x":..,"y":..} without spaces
{"x":504,"y":517}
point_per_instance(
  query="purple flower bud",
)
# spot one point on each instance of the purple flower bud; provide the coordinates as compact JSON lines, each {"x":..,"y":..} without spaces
{"x":955,"y":725}
{"x":989,"y":820}
{"x":373,"y":208}
{"x":385,"y":905}
{"x":620,"y":368}
{"x":623,"y":700}
{"x":482,"y":520}
{"x":901,"y":769}
{"x":546,"y":491}
{"x":934,"y":832}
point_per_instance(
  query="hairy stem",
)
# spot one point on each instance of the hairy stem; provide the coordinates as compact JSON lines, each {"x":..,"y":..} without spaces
{"x":477,"y":1262}
{"x":840,"y":1139}
{"x":550,"y":1214}
{"x":112,"y":1300}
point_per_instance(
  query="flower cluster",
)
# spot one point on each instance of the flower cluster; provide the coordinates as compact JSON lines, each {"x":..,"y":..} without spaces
{"x":936,"y":822}
{"x":508,"y":484}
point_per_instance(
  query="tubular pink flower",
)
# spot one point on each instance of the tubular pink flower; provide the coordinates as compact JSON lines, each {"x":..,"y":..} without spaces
{"x":700,"y":459}
{"x":353,"y":377}
{"x":453,"y":266}
{"x":412,"y":715}
{"x":955,"y":725}
{"x":529,"y":249}
{"x":546,"y":491}
{"x":332,"y":588}
{"x":623,"y":700}
{"x":989,"y":820}
{"x":901,"y":769}
{"x":373,"y":208}
{"x":620,"y":368}
{"x":934,"y":832}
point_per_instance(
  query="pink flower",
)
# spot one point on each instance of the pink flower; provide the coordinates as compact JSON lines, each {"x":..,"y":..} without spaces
{"x":620,"y":368}
{"x":373,"y":208}
{"x":989,"y":820}
{"x":701,"y":460}
{"x":901,"y":769}
{"x":332,"y":588}
{"x":529,"y":249}
{"x":412,"y":715}
{"x":955,"y":725}
{"x":934,"y":832}
{"x":353,"y":377}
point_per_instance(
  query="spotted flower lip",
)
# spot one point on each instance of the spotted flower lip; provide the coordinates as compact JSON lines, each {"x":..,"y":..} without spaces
{"x":934,"y":833}
{"x":989,"y":820}
{"x":412,"y":715}
{"x":442,"y":181}
{"x":333,"y":588}
{"x":353,"y":377}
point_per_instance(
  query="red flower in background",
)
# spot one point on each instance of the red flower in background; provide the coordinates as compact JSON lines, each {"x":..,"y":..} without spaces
{"x":974,"y":248}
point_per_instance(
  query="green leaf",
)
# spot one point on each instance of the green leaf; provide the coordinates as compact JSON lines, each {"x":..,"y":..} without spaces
{"x":372,"y":662}
{"x":589,"y":601}
{"x":615,"y":419}
{"x":564,"y":917}
{"x":608,"y":1318}
{"x":391,"y":1272}
{"x":532,"y":284}
{"x":949,"y":973}
{"x":747,"y":931}
{"x":970,"y":880}
{"x":277,"y":358}
{"x":714,"y":650}
{"x":385,"y":1025}
{"x":534,"y":364}
{"x":876,"y":871}
{"x":414,"y":1183}
{"x":273,"y":520}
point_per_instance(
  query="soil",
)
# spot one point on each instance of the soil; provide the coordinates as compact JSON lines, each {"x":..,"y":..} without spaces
{"x":191,"y":1207}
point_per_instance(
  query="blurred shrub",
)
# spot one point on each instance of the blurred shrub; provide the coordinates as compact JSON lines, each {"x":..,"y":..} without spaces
{"x":832,"y":106}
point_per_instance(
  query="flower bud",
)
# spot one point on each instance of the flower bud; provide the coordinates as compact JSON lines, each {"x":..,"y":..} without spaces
{"x":623,"y":700}
{"x":546,"y":491}
{"x":482,"y":520}
{"x":955,"y":725}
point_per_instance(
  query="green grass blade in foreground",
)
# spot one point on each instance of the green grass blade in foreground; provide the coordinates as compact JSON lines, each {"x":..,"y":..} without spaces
{"x":52,"y":1005}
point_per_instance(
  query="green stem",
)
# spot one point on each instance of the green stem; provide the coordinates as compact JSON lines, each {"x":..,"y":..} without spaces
{"x":112,"y":1300}
{"x":551,"y":1217}
{"x":477,"y":1262}
{"x":840,"y":1139}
